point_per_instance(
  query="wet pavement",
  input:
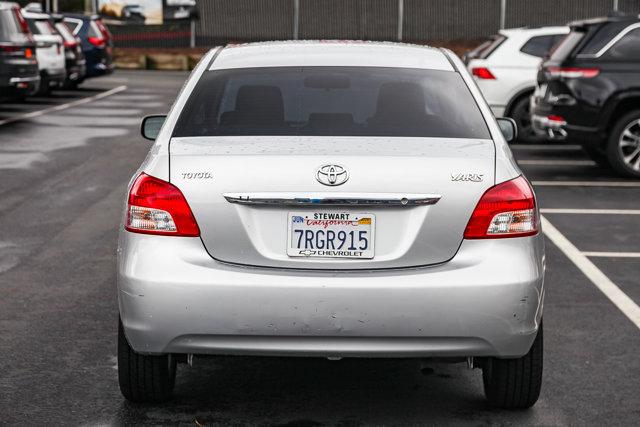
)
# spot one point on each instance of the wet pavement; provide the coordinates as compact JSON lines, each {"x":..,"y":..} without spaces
{"x":63,"y":175}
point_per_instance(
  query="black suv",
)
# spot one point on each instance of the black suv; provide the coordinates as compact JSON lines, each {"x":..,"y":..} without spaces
{"x":589,"y":91}
{"x":19,"y":75}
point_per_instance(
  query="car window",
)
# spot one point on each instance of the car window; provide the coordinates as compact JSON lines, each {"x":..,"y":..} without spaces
{"x":625,"y":49}
{"x":8,"y":25}
{"x":42,"y":27}
{"x":539,"y":45}
{"x":332,"y":101}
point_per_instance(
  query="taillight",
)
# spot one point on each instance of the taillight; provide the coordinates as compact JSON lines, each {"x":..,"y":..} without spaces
{"x":572,"y":72}
{"x":483,"y":73}
{"x":28,"y":53}
{"x":70,"y":44}
{"x":97,"y":41}
{"x":505,"y":210}
{"x":158,"y":207}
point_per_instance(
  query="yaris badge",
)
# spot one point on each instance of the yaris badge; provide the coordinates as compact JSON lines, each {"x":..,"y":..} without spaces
{"x":332,"y":175}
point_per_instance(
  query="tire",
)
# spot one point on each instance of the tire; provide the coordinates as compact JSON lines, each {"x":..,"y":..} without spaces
{"x":623,"y":146}
{"x":514,"y":383}
{"x":144,"y":378}
{"x":521,"y":114}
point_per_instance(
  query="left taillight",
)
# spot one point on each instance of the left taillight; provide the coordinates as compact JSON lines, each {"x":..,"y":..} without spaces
{"x":572,"y":72}
{"x":158,"y":207}
{"x":505,"y":210}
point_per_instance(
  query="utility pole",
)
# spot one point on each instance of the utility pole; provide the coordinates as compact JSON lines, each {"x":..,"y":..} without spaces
{"x":296,"y":19}
{"x":400,"y":19}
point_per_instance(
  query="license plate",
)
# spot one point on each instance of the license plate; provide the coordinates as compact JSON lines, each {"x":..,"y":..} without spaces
{"x":317,"y":234}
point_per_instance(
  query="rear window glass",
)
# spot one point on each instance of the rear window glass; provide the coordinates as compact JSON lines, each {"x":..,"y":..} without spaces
{"x":563,"y":49}
{"x":332,"y":101}
{"x":487,"y":48}
{"x":41,"y":27}
{"x":540,"y":45}
{"x":9,"y":25}
{"x":601,"y":37}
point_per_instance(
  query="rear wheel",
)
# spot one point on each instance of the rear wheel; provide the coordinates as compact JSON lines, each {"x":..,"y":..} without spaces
{"x":144,"y":378}
{"x":521,"y":114}
{"x":514,"y":383}
{"x":623,"y":147}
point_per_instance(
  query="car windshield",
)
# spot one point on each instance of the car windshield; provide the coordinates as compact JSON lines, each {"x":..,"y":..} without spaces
{"x":332,"y":101}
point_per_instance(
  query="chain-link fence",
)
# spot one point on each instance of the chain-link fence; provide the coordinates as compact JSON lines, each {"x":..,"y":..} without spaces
{"x":224,"y":21}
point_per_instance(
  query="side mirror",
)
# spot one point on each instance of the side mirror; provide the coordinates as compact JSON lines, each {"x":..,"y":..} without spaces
{"x":151,"y":126}
{"x":508,"y":128}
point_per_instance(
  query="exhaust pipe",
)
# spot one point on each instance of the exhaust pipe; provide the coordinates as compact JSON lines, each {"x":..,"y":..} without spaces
{"x":557,"y":134}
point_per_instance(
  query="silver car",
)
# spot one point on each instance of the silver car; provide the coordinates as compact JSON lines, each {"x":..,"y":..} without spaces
{"x":331,"y":199}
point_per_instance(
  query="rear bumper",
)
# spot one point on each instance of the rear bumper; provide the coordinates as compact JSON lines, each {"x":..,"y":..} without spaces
{"x":174,"y":298}
{"x":21,"y":86}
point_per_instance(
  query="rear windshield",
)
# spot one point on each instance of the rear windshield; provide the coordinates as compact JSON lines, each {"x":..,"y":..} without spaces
{"x":9,"y":25}
{"x":332,"y":101}
{"x":41,"y":26}
{"x":487,"y":48}
{"x":563,"y":49}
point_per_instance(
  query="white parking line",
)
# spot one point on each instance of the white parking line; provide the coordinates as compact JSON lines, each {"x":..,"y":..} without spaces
{"x":63,"y":106}
{"x":593,"y":273}
{"x":612,"y":254}
{"x":592,"y":211}
{"x":557,"y":162}
{"x":545,"y":147}
{"x":586,"y":183}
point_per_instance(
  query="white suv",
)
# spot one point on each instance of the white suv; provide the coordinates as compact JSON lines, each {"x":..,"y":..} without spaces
{"x":505,"y":69}
{"x":49,"y":50}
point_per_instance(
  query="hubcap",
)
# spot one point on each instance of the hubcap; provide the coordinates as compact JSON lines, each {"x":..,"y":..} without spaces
{"x":629,"y":145}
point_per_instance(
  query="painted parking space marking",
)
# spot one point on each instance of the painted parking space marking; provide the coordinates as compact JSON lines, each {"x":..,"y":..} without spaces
{"x":586,"y":183}
{"x":63,"y":106}
{"x":591,"y":211}
{"x":621,"y":300}
{"x":557,"y":162}
{"x":612,"y":254}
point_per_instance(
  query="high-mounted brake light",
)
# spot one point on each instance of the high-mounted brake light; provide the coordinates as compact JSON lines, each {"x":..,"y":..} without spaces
{"x":483,"y":73}
{"x":158,"y":207}
{"x":505,"y":210}
{"x":573,"y":72}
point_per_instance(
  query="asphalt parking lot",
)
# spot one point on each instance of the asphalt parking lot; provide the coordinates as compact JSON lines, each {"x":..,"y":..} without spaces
{"x":64,"y":165}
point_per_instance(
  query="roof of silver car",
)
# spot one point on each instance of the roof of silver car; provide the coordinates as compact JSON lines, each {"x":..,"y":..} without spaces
{"x":331,"y":53}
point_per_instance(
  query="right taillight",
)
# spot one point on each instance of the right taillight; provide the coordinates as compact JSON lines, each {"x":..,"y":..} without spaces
{"x":159,"y":207}
{"x":505,"y":210}
{"x":572,"y":72}
{"x":483,"y":73}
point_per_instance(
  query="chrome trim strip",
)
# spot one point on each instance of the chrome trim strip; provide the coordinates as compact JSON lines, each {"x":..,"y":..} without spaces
{"x":333,"y":199}
{"x":15,"y":80}
{"x":608,"y":46}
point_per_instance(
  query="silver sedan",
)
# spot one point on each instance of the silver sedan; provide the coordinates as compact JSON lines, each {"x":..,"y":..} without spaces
{"x":331,"y":199}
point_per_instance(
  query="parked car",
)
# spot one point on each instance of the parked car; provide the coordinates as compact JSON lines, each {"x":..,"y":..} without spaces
{"x":75,"y":62}
{"x":505,"y":69}
{"x":19,"y":75}
{"x":96,"y":42}
{"x":589,"y":91}
{"x":333,"y":200}
{"x":49,"y":51}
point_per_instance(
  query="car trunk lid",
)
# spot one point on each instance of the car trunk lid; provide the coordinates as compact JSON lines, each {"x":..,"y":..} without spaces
{"x":457,"y":171}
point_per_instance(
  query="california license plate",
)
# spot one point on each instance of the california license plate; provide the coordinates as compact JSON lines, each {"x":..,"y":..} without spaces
{"x":331,"y":234}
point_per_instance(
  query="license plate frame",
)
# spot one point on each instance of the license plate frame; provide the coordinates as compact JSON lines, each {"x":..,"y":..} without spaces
{"x":351,"y":247}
